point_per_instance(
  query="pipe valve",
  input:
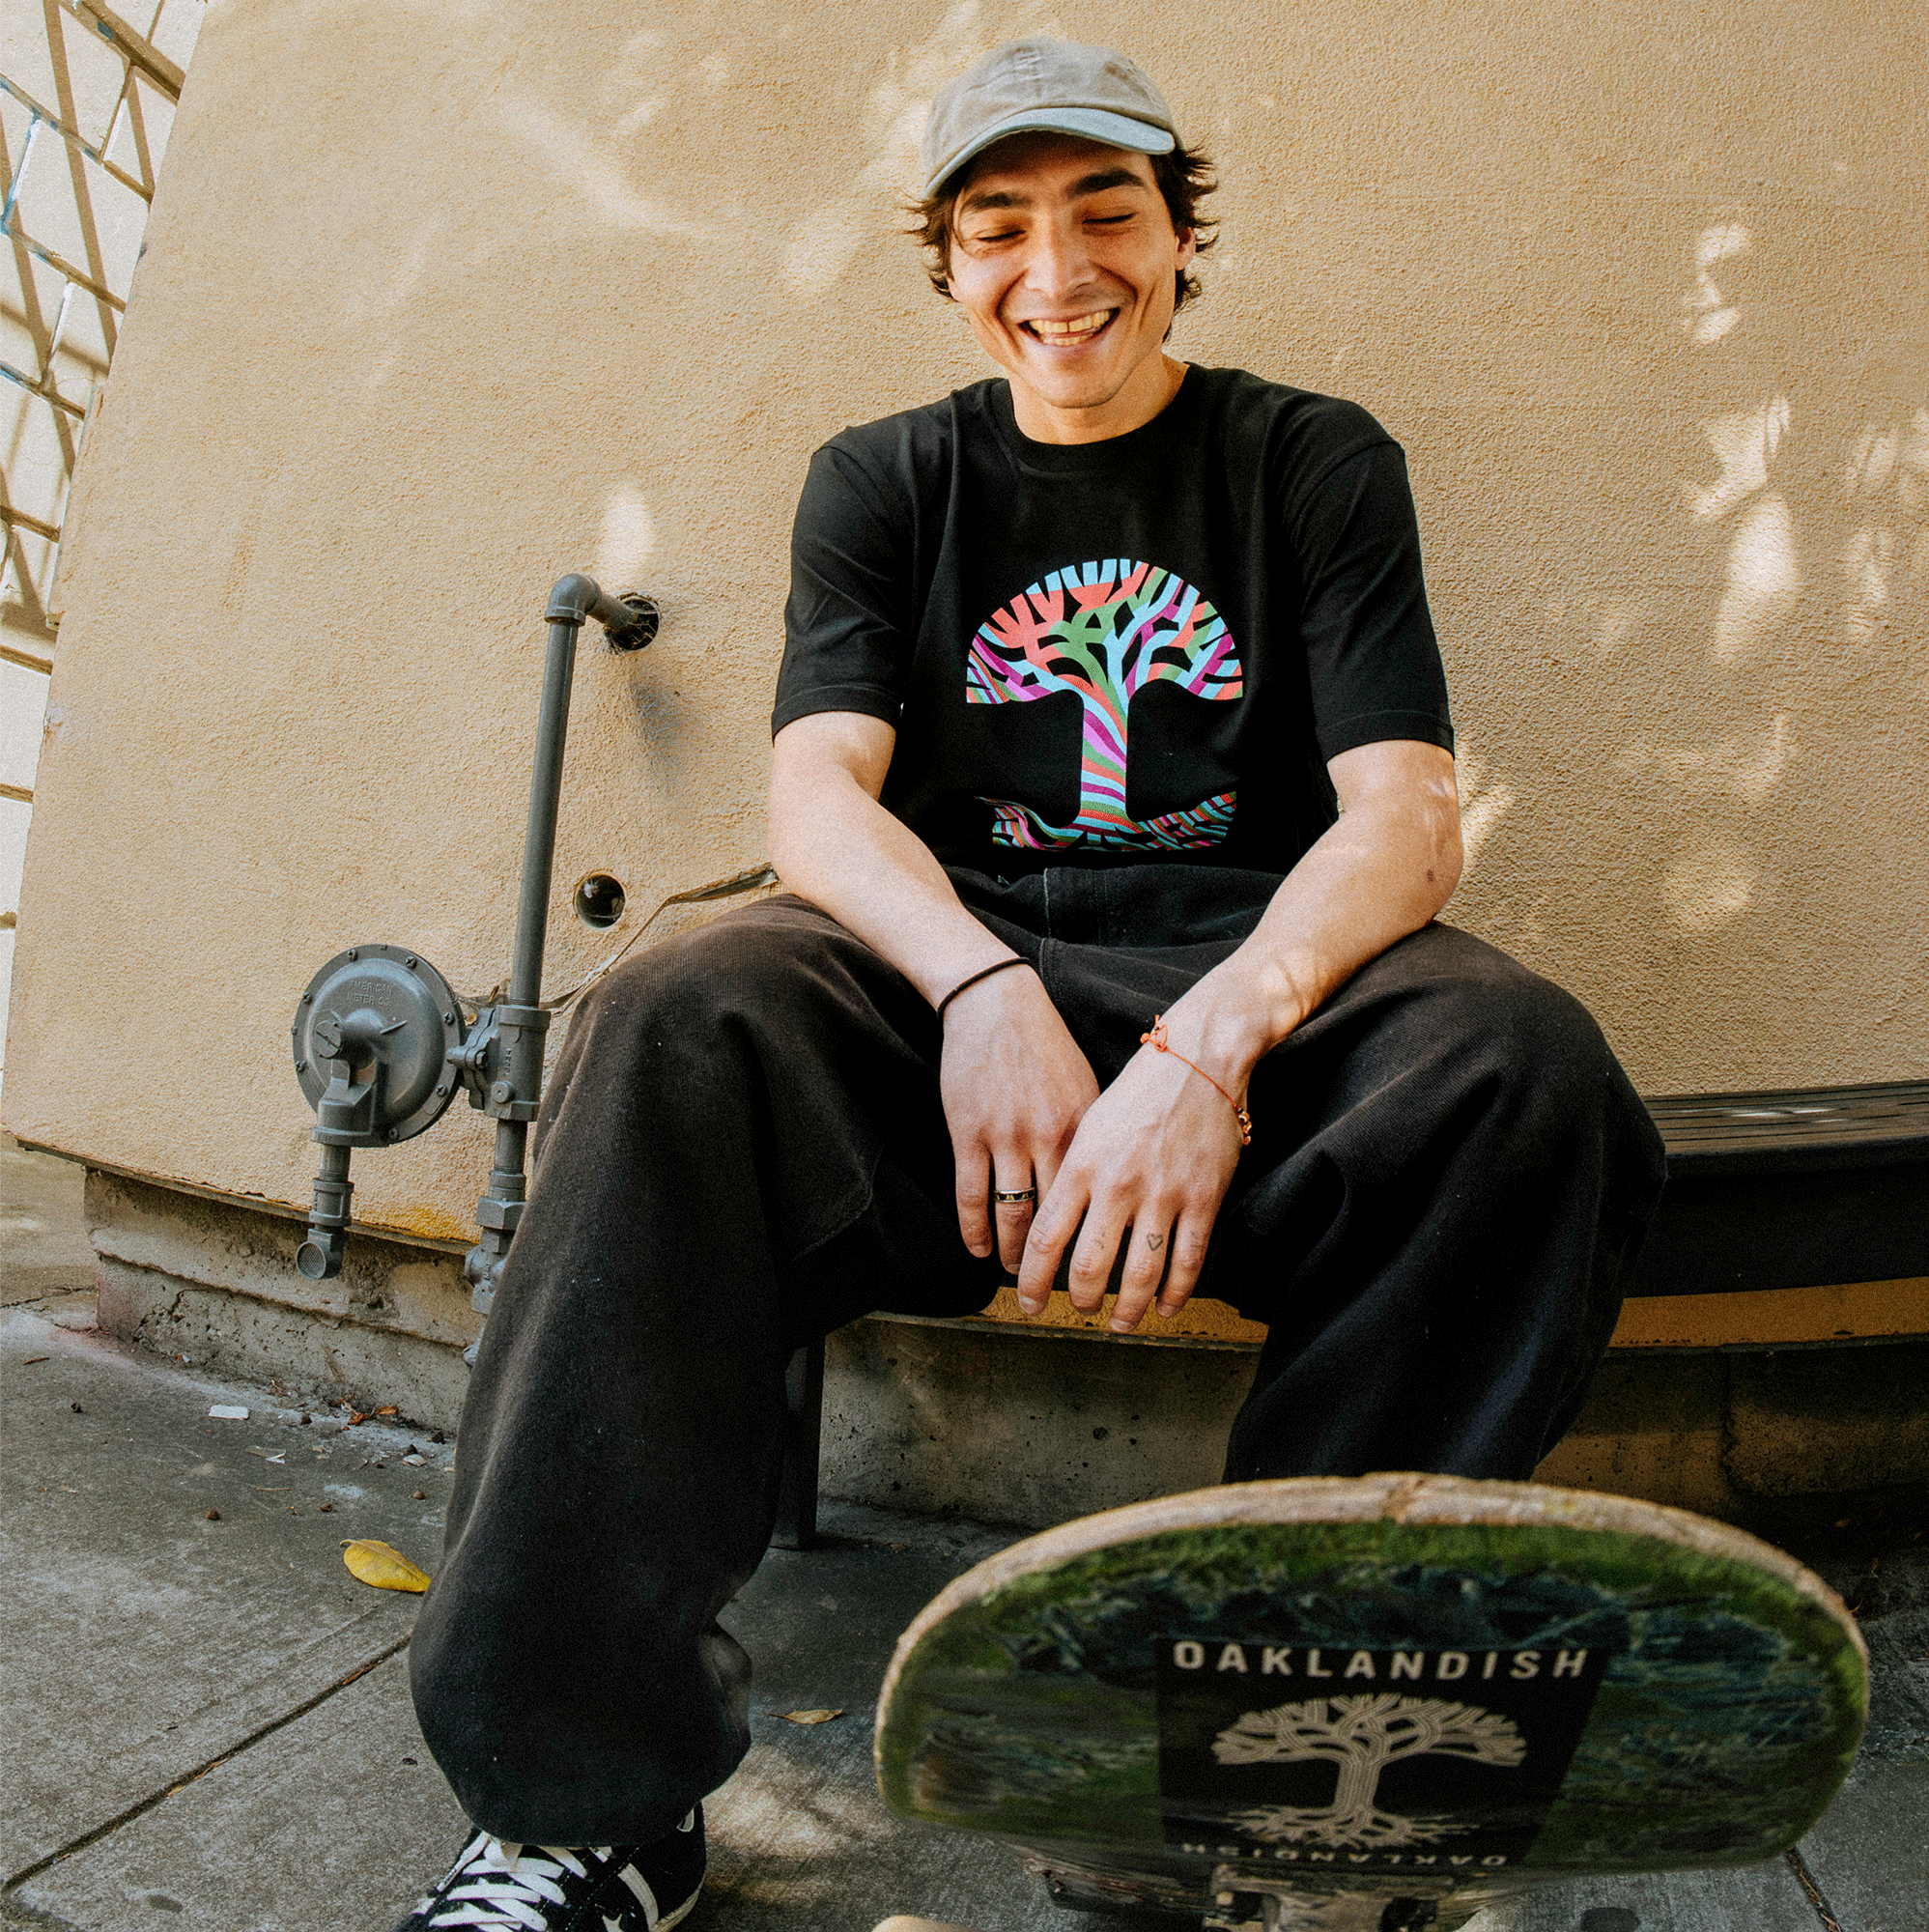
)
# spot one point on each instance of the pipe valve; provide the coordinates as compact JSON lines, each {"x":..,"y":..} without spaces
{"x":380,"y":1042}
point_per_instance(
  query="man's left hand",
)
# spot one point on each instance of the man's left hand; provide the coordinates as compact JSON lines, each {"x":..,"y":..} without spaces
{"x":1150,"y":1163}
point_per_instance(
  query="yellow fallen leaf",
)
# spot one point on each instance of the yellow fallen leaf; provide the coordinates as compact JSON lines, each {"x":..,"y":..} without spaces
{"x":382,"y":1565}
{"x":808,"y":1716}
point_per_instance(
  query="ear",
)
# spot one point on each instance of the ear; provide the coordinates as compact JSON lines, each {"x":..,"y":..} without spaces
{"x":1185,"y":249}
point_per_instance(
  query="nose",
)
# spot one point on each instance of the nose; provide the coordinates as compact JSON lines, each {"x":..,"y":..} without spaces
{"x":1058,"y":262}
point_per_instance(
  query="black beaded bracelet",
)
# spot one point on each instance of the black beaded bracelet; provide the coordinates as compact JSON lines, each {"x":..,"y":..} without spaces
{"x":972,"y":979}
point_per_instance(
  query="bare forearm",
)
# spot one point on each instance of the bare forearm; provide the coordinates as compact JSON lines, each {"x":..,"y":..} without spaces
{"x":1014,"y":1082}
{"x":832,"y":843}
{"x":1382,"y":870}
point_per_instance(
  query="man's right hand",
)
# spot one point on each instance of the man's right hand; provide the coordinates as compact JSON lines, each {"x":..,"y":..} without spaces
{"x":1015,"y":1086}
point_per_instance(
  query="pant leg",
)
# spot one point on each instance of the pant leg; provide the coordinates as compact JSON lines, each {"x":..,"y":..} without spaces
{"x":1440,"y":1256}
{"x":1449,"y":1179}
{"x":743,"y":1148}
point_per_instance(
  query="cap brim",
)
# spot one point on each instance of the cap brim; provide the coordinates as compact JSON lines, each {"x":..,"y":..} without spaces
{"x":1090,"y":124}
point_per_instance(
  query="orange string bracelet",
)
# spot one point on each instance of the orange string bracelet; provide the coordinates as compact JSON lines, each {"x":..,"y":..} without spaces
{"x":1157,"y":1041}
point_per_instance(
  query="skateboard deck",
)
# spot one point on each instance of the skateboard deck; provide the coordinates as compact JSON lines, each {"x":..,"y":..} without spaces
{"x":1362,"y":1705}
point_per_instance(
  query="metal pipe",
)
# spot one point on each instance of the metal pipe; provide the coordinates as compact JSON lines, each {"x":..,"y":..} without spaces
{"x":501,"y":1060}
{"x":320,"y":1256}
{"x":575,"y":597}
{"x":539,"y":842}
{"x":512,"y":1142}
{"x":515,"y":1062}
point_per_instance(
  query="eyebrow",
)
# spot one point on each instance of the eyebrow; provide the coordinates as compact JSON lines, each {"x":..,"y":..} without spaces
{"x":1095,"y":183}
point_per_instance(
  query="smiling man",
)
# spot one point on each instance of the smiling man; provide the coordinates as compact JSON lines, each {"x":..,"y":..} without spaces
{"x":1113,"y":791}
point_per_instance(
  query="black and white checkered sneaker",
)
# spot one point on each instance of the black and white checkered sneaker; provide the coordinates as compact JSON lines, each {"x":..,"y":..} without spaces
{"x":569,"y":1888}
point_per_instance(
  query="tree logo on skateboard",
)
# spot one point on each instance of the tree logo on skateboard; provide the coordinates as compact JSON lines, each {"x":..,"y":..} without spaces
{"x":1362,"y":1736}
{"x":1369,"y":1774}
{"x":1372,"y":1701}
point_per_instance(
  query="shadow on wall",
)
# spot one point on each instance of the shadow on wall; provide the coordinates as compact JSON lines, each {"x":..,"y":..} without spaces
{"x":1719,"y":711}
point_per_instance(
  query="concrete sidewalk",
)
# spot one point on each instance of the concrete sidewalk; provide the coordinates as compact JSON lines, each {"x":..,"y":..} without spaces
{"x":204,"y":1719}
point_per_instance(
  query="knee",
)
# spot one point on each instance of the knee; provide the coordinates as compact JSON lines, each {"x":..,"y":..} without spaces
{"x":764,"y":965}
{"x":1544,"y":1030}
{"x":1536,"y":1051}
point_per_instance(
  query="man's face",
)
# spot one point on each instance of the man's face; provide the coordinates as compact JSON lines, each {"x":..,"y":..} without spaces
{"x":1062,"y":258}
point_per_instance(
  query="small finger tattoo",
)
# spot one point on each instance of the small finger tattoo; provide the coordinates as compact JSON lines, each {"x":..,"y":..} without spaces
{"x":1155,"y":1243}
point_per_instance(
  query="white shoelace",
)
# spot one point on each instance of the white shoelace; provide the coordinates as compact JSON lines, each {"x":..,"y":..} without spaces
{"x":510,"y":1884}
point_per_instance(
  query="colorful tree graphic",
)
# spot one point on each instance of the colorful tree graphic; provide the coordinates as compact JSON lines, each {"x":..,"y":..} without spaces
{"x":1105,"y":631}
{"x":1362,"y":1736}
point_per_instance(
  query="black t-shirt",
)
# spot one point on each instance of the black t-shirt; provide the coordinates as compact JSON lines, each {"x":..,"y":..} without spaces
{"x":1096,"y":653}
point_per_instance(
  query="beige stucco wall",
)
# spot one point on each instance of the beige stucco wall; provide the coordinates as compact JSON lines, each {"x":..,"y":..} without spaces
{"x":440,"y":301}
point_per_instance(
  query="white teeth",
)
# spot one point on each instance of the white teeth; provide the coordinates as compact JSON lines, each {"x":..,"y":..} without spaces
{"x":1065,"y":331}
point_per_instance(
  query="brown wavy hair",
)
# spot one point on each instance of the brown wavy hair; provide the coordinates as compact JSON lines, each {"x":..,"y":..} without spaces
{"x":1184,"y":177}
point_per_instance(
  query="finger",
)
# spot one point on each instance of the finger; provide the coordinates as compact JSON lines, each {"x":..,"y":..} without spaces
{"x":1091,"y":1256}
{"x":1190,"y":1240}
{"x":1054,"y":1223}
{"x":973,"y":1185}
{"x":1145,"y":1268}
{"x":1013,"y":1216}
{"x":1045,"y":1164}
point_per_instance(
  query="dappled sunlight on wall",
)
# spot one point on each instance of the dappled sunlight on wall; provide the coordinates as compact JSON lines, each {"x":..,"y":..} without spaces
{"x":1710,"y":723}
{"x":1485,"y":803}
{"x":1816,"y":643}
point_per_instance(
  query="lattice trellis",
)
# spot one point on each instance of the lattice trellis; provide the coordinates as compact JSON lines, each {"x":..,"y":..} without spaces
{"x":87,"y":102}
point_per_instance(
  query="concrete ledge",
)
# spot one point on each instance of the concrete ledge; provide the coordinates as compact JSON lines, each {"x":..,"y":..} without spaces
{"x":314,"y":1356}
{"x":1737,"y":1434}
{"x":1021,"y":1426}
{"x":1033,"y":1427}
{"x":988,"y":1421}
{"x":215,"y":1286}
{"x":1657,"y":1427}
{"x":42,"y":1250}
{"x":395,"y":1286}
{"x":1802,"y":1421}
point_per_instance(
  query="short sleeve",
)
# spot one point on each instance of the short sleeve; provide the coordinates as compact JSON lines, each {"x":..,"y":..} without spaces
{"x":1371,"y":656}
{"x":849,"y":620}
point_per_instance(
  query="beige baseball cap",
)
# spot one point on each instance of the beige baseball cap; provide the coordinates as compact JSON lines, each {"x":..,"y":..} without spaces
{"x":1043,"y":86}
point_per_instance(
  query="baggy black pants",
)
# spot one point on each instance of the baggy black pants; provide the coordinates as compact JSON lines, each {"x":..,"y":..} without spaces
{"x":743,"y":1147}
